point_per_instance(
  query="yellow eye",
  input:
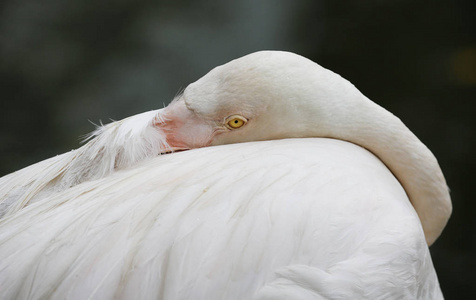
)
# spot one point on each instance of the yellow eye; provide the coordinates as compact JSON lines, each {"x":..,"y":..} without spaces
{"x":234,"y":122}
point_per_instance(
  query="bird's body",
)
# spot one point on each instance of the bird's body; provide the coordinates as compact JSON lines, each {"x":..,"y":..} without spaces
{"x":282,"y":212}
{"x":161,"y":231}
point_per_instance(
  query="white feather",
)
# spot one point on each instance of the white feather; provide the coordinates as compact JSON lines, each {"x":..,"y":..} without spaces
{"x":115,"y":146}
{"x":259,"y":220}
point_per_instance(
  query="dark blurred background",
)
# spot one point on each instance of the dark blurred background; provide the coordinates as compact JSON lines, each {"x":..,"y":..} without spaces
{"x":63,"y":63}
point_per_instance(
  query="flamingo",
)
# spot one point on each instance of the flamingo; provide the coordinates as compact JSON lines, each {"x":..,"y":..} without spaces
{"x":270,"y":177}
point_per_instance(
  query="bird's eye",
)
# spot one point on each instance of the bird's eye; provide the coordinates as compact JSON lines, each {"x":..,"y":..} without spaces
{"x":235,"y":121}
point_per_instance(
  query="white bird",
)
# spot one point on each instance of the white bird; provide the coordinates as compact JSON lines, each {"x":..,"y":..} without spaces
{"x":268,"y":208}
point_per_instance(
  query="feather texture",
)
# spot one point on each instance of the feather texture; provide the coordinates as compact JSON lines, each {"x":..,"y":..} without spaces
{"x":115,"y":146}
{"x":161,"y":231}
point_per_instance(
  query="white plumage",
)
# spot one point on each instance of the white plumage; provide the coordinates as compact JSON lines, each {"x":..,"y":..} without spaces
{"x":294,"y":218}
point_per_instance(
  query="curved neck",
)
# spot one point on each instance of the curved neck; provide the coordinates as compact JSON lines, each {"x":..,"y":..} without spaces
{"x":412,"y":163}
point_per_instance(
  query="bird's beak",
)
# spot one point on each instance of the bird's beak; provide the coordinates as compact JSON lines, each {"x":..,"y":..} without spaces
{"x":182,"y":128}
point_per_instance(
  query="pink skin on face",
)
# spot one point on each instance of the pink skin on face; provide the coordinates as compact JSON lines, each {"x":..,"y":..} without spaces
{"x":184,"y":129}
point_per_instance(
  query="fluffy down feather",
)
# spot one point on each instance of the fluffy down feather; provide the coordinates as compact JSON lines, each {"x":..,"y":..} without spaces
{"x":115,"y":146}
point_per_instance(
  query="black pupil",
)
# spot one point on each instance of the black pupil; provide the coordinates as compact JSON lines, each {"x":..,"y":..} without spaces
{"x":236,"y":121}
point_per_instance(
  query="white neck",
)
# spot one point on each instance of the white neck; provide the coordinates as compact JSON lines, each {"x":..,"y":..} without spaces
{"x":412,"y":163}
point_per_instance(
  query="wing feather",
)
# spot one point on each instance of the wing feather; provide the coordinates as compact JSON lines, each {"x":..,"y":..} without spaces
{"x":301,"y":218}
{"x":115,"y":146}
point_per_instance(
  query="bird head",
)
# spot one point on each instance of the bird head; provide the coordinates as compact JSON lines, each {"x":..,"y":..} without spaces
{"x":262,"y":96}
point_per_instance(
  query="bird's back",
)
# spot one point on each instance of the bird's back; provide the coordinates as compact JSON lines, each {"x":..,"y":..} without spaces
{"x":285,"y":219}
